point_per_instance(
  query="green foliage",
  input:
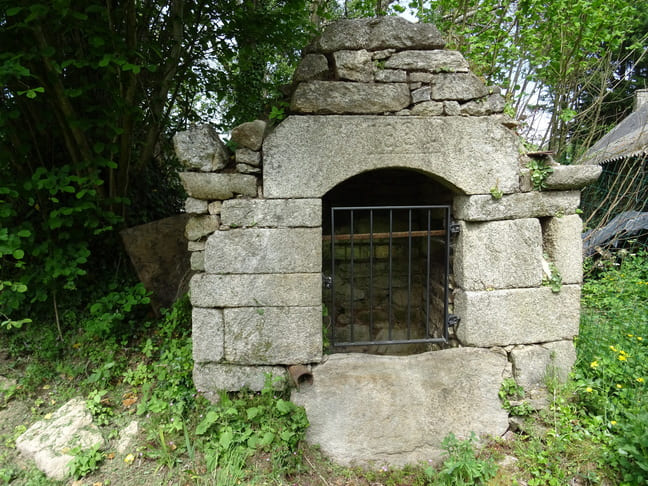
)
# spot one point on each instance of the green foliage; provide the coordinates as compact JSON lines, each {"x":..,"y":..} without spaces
{"x":496,"y":193}
{"x":511,"y":391}
{"x":554,"y":281}
{"x":99,"y":407}
{"x":461,"y":467}
{"x":85,"y":462}
{"x":540,"y":170}
{"x":245,"y":422}
{"x":115,"y":310}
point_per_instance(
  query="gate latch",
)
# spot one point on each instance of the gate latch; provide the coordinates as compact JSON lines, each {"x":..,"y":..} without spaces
{"x":455,"y":228}
{"x":327,"y":281}
{"x":453,"y":320}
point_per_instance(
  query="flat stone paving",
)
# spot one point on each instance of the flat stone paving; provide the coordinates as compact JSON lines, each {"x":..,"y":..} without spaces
{"x":369,"y":410}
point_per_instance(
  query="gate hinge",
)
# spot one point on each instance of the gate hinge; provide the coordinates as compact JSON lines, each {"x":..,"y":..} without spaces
{"x":453,"y":320}
{"x":327,"y":281}
{"x":455,"y":228}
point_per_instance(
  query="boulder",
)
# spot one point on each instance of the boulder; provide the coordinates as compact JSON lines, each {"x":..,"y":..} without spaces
{"x":200,"y":148}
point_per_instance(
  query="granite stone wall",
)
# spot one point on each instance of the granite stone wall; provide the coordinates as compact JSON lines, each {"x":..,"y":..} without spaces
{"x":376,"y":94}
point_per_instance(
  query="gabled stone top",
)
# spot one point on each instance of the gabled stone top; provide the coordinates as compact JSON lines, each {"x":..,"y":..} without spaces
{"x":388,"y":65}
{"x":375,"y":34}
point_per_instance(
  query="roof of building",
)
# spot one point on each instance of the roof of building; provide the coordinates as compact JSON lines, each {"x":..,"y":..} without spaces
{"x":628,"y":139}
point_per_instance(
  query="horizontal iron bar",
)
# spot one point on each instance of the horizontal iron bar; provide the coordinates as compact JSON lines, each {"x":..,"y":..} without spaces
{"x":365,"y":208}
{"x":394,"y":341}
{"x":376,"y":236}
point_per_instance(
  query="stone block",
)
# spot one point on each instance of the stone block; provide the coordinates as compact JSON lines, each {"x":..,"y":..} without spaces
{"x":361,"y":407}
{"x":353,"y":65}
{"x":376,"y":34}
{"x":214,"y":207}
{"x":197,"y":261}
{"x":499,"y":255}
{"x":196,"y":245}
{"x":517,"y":316}
{"x":534,"y":365}
{"x":566,"y":177}
{"x":207,"y":335}
{"x":202,"y":225}
{"x":420,"y":77}
{"x":212,"y":378}
{"x":390,"y":76}
{"x":451,"y":108}
{"x":564,"y":246}
{"x":457,"y":86}
{"x":432,"y":61}
{"x":513,"y":206}
{"x":259,"y":250}
{"x":428,"y":108}
{"x":247,"y":169}
{"x":306,"y":156}
{"x":298,"y":289}
{"x":340,"y":97}
{"x":249,"y":135}
{"x":311,"y":67}
{"x":200,"y":148}
{"x":273,"y":335}
{"x":493,"y":104}
{"x":195,"y":206}
{"x":218,"y":186}
{"x":272,"y":213}
{"x":421,"y":95}
{"x":247,"y":156}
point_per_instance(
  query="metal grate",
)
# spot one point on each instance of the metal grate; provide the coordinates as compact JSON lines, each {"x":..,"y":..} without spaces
{"x":389,"y":275}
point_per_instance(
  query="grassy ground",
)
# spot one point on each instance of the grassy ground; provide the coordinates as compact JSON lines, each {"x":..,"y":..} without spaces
{"x":594,"y":432}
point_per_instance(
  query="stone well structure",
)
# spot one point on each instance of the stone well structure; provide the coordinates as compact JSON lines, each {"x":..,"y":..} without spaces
{"x":381,"y":112}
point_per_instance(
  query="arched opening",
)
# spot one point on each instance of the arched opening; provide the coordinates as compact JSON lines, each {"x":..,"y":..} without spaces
{"x":386,"y":263}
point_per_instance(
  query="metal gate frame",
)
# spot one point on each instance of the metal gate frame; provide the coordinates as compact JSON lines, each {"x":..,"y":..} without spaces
{"x":448,"y":229}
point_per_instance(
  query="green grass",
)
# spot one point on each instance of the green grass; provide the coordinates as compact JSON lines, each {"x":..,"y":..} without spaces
{"x":593,"y":432}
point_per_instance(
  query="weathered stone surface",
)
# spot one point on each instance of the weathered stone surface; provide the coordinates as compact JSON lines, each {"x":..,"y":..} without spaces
{"x":384,"y":54}
{"x":338,"y":97}
{"x":211,"y":378}
{"x":534,"y":365}
{"x":158,"y":251}
{"x":273,"y":213}
{"x":196,"y":245}
{"x":214,"y":207}
{"x":247,"y":169}
{"x":202,"y":225}
{"x":200,"y":148}
{"x":197,"y":261}
{"x":250,"y":134}
{"x":354,"y":65}
{"x":390,"y":76}
{"x":46,"y":440}
{"x":457,"y":86}
{"x":565,"y":177}
{"x":421,"y":95}
{"x":564,"y":247}
{"x":522,"y":205}
{"x":127,"y":437}
{"x":433,"y":61}
{"x":195,"y":206}
{"x":376,"y":34}
{"x":429,"y":108}
{"x":493,"y":104}
{"x":312,"y":67}
{"x":499,"y":255}
{"x":306,"y":156}
{"x":207,"y":334}
{"x":300,"y":289}
{"x":273,"y":335}
{"x":517,"y":316}
{"x":451,"y":108}
{"x":420,"y":77}
{"x":258,"y":250}
{"x":218,"y":186}
{"x":249,"y":157}
{"x":361,"y":407}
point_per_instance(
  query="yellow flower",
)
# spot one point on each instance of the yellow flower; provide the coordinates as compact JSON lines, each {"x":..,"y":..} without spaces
{"x":639,"y":338}
{"x":640,"y":380}
{"x":594,"y":364}
{"x":129,"y":459}
{"x":622,"y":357}
{"x":588,"y":389}
{"x":630,"y":335}
{"x":613,"y":348}
{"x":619,"y":386}
{"x":613,"y":422}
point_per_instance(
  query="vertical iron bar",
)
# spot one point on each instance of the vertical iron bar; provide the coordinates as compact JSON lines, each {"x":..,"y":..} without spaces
{"x":332,"y":310}
{"x":352,"y":323}
{"x":427,"y":278}
{"x":409,"y":273}
{"x":391,"y":316}
{"x":371,"y":307}
{"x":447,"y":274}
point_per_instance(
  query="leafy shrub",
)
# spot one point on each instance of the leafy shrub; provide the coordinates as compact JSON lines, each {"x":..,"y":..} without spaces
{"x":461,"y":467}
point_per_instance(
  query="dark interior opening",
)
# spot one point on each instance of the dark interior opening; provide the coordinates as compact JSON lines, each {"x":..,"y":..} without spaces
{"x":386,"y":272}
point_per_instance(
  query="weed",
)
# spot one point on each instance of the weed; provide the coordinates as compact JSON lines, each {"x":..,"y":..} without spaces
{"x":510,"y":394}
{"x":540,"y":170}
{"x":98,"y":405}
{"x":85,"y":462}
{"x":461,"y":467}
